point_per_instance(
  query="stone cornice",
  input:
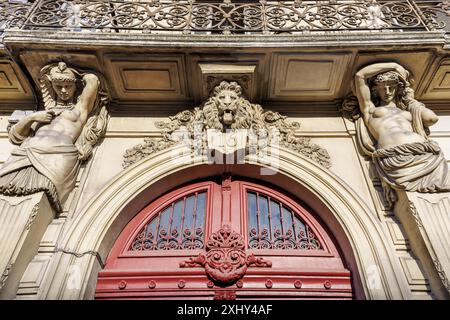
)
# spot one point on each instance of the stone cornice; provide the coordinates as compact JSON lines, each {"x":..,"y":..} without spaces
{"x":341,"y":39}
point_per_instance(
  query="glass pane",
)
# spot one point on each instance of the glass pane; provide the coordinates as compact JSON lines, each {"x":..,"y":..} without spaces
{"x":201,"y":211}
{"x":251,"y":213}
{"x":287,"y":222}
{"x":300,"y":231}
{"x":180,"y":226}
{"x":164,"y":221}
{"x":151,"y":229}
{"x":263,"y":215}
{"x":276,"y":218}
{"x":176,"y":220}
{"x":276,"y":226}
{"x":189,"y":213}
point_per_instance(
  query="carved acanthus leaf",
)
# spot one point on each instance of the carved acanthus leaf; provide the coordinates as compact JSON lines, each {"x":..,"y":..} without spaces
{"x":5,"y":275}
{"x":32,"y":217}
{"x":442,"y":275}
{"x":263,"y":128}
{"x":415,"y":214}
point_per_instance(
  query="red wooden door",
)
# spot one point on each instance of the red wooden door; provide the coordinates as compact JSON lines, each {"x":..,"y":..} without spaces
{"x":227,"y":240}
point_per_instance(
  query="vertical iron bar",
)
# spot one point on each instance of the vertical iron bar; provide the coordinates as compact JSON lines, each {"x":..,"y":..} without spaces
{"x":422,"y":18}
{"x":281,"y":219}
{"x":263,"y":17}
{"x":29,"y":13}
{"x":307,"y":235}
{"x":158,"y":228}
{"x":189,"y":16}
{"x":195,"y":214}
{"x":147,"y":227}
{"x":293,"y":225}
{"x":180,"y":239}
{"x":258,"y":214}
{"x":270,"y":218}
{"x":169,"y":228}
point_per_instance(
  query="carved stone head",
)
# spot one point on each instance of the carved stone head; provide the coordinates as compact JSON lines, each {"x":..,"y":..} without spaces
{"x":59,"y":84}
{"x":63,"y":82}
{"x":387,"y":86}
{"x":227,"y":96}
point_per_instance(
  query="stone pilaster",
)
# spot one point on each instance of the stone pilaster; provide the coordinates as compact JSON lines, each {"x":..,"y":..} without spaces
{"x":23,"y":221}
{"x":426,"y":219}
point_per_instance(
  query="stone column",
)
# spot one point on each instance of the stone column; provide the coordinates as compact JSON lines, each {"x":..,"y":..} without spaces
{"x":426,"y":219}
{"x":23,"y":221}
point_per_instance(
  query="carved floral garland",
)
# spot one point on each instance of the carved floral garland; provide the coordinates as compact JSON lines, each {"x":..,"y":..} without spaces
{"x":190,"y":127}
{"x":225,"y":260}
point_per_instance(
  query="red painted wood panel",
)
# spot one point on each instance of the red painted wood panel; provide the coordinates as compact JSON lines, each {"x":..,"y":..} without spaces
{"x":156,"y":274}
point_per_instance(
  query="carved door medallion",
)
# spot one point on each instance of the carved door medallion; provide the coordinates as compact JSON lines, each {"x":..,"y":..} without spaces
{"x":225,"y":260}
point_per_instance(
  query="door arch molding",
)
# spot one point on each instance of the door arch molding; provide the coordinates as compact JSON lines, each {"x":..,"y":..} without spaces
{"x":377,"y":273}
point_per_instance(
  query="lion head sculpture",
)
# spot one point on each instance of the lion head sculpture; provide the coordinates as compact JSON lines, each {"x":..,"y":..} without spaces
{"x":228,"y":108}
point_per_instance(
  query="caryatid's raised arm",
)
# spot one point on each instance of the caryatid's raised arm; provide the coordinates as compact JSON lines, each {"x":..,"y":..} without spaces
{"x":87,"y":98}
{"x":363,"y":92}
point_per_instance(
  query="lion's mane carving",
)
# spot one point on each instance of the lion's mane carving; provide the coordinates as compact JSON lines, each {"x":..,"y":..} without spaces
{"x":227,"y":108}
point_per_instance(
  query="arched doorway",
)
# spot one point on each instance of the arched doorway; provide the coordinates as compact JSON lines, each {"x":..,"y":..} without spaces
{"x":225,"y":239}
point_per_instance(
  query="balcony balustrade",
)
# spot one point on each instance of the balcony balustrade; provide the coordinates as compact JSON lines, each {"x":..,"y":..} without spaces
{"x":224,"y":17}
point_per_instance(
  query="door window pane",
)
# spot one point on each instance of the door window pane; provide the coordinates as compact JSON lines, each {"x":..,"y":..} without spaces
{"x":179,"y":226}
{"x":274,"y":225}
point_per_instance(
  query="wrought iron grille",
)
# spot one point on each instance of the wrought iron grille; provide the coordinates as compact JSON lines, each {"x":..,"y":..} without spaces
{"x":13,"y":15}
{"x":179,"y":226}
{"x":435,"y":14}
{"x":273,"y":225}
{"x":227,"y":17}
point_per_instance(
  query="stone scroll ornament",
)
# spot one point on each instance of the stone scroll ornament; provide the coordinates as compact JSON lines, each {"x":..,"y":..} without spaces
{"x":227,"y":109}
{"x":393,"y":129}
{"x":225,"y":260}
{"x":53,"y":142}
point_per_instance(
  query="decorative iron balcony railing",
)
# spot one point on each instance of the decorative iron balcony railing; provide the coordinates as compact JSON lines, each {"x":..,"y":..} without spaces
{"x":226,"y":17}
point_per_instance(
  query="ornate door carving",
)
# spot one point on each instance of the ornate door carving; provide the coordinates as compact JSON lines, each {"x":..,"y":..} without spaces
{"x":225,"y":260}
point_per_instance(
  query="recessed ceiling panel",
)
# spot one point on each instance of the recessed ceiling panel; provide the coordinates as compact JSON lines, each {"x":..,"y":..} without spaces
{"x":307,"y":76}
{"x":437,"y":82}
{"x":148,"y":77}
{"x":13,"y":84}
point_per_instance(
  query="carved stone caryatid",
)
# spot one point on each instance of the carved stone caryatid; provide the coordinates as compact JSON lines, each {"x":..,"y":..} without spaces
{"x":227,"y":109}
{"x":53,"y":142}
{"x":392,"y":128}
{"x":225,"y":260}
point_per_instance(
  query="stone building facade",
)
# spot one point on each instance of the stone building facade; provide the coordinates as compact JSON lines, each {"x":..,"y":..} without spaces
{"x":224,"y":149}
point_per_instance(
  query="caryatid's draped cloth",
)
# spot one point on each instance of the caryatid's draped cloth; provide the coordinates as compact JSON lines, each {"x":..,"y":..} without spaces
{"x":50,"y":168}
{"x":419,"y":166}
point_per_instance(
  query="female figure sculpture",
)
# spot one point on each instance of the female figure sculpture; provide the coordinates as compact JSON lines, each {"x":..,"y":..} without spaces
{"x":52,"y":143}
{"x":393,"y":130}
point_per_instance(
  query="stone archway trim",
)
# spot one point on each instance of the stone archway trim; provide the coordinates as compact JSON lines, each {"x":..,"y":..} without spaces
{"x":74,"y":277}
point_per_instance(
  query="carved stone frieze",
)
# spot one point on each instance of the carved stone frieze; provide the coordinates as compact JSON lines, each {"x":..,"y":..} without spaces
{"x":228,"y":111}
{"x":225,"y":260}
